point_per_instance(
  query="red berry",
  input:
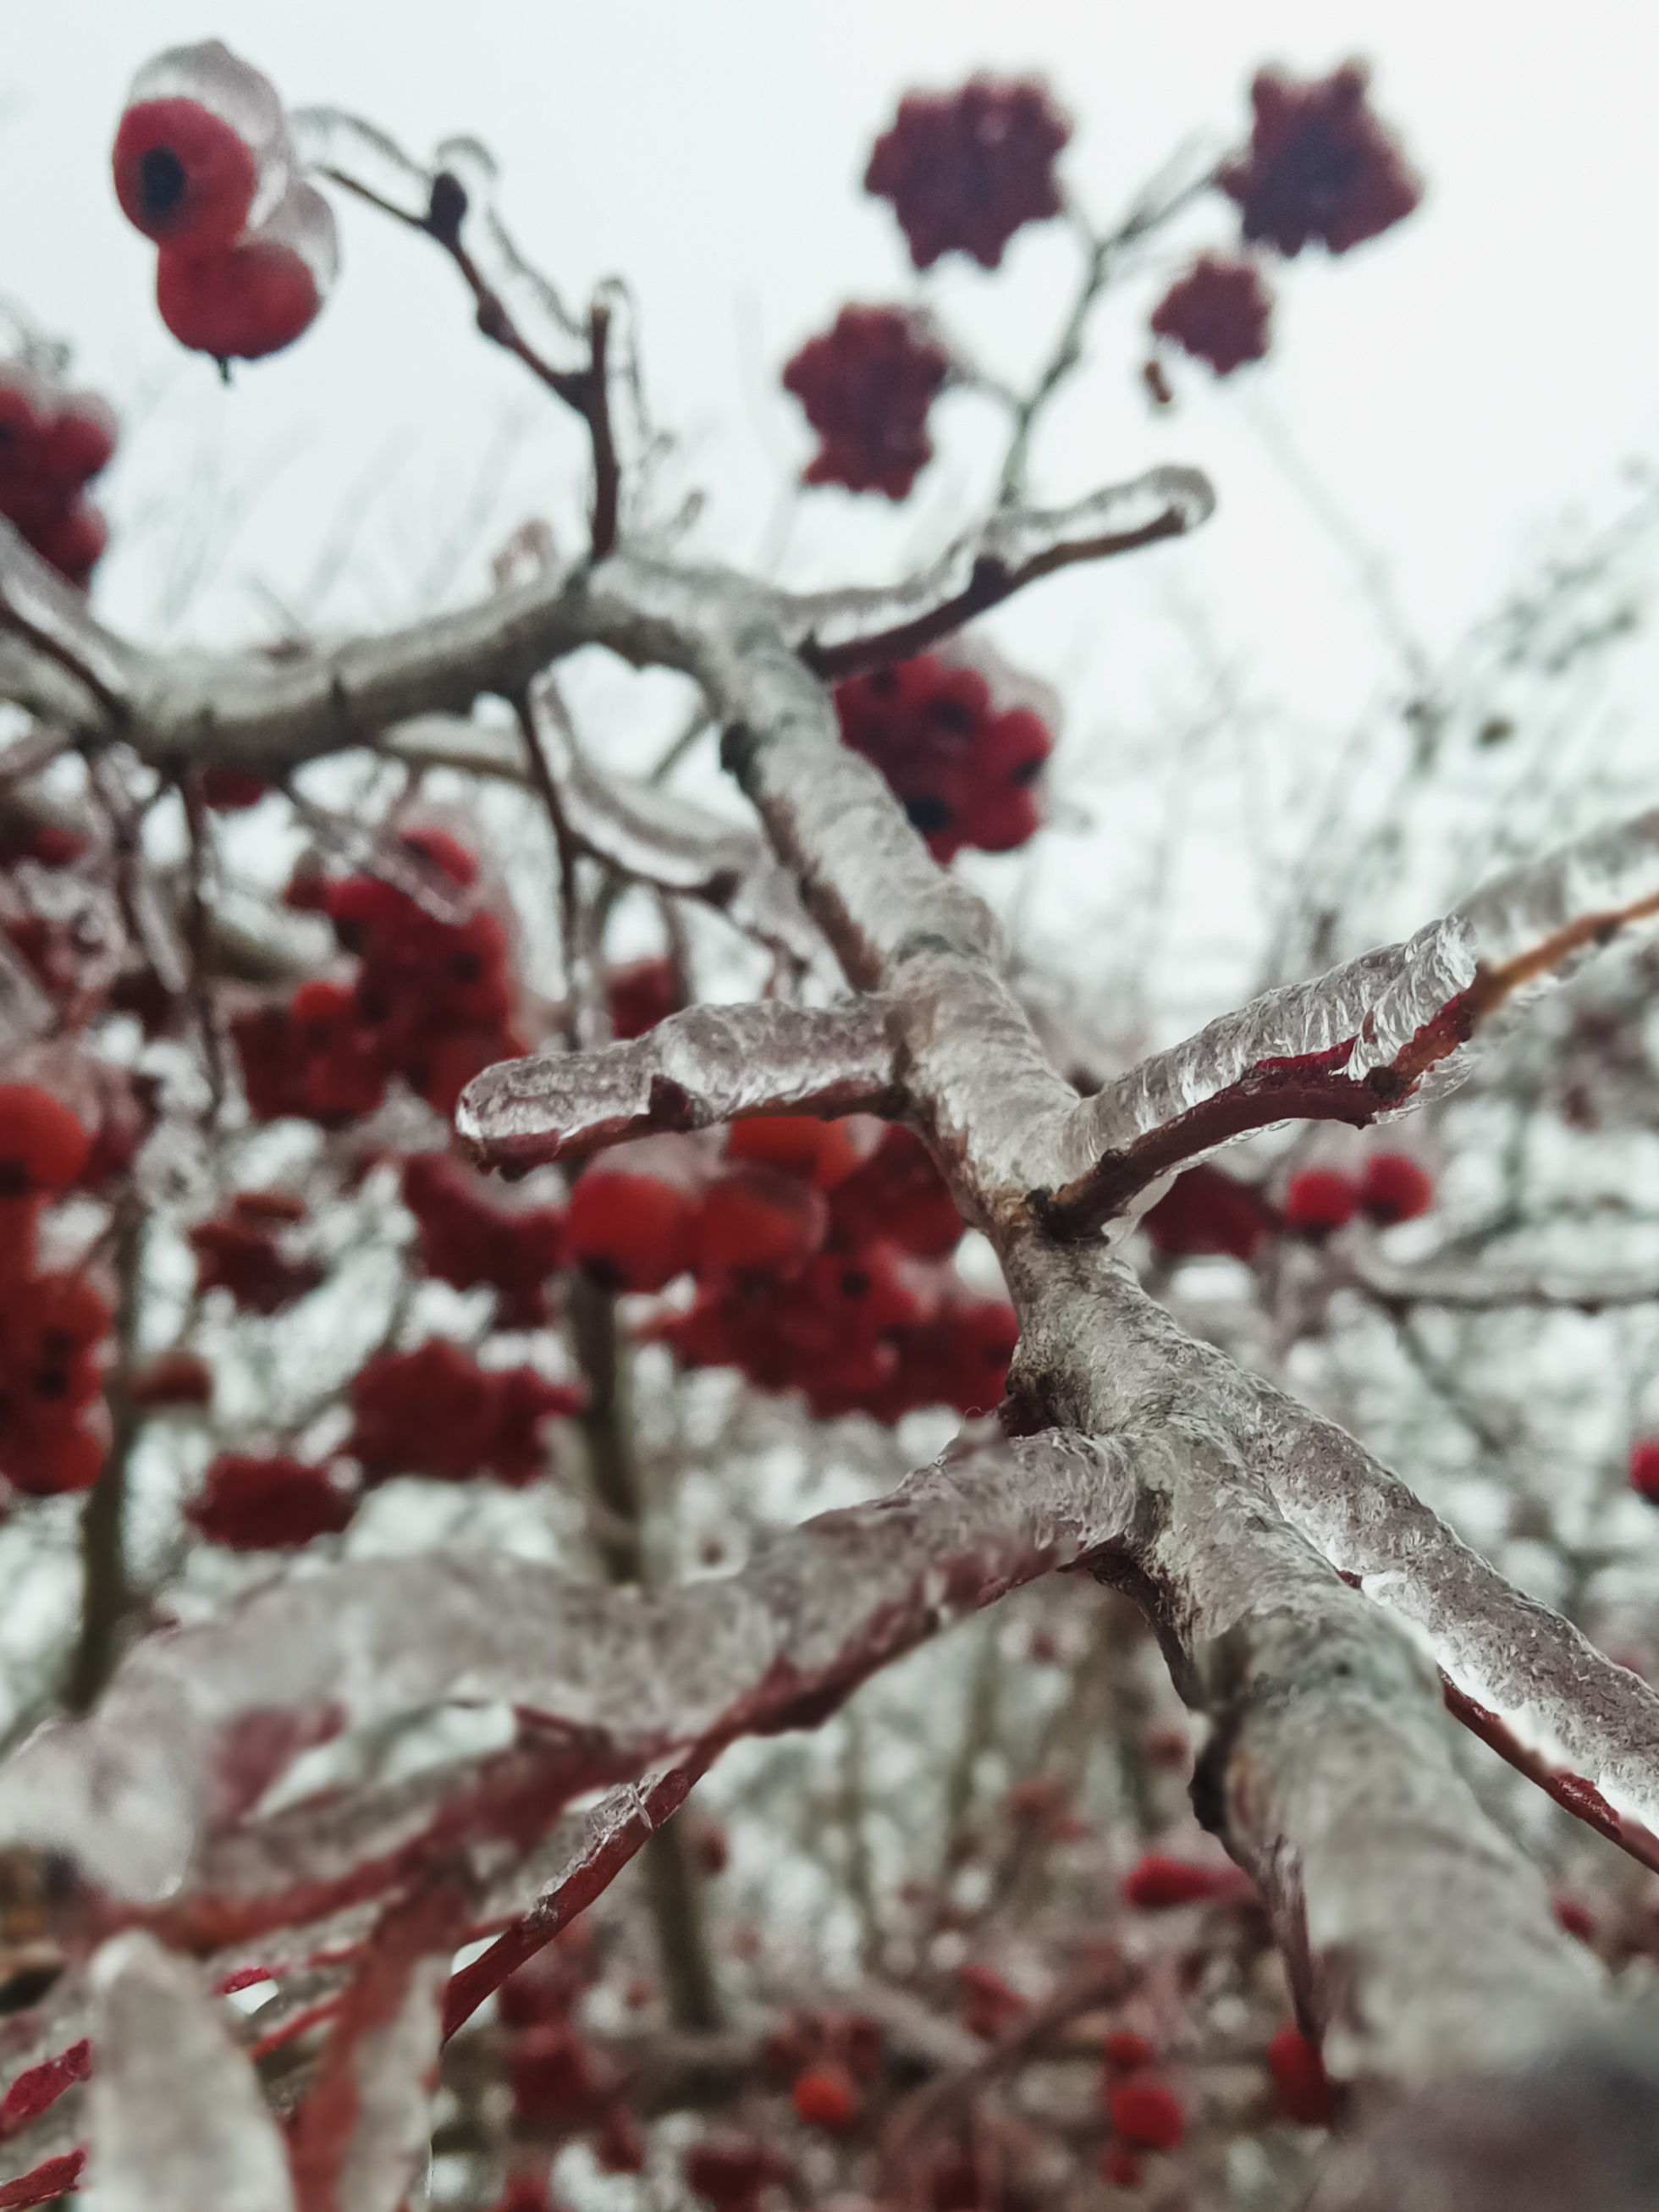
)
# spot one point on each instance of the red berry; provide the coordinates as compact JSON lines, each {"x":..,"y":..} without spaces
{"x":757,"y":1218}
{"x":78,"y":442}
{"x":1120,"y":2166}
{"x":182,"y":175}
{"x":244,"y":301}
{"x":1319,"y":1200}
{"x":866,"y":385}
{"x":965,"y":170}
{"x":248,"y":1503}
{"x":1219,"y":311}
{"x":230,"y":790}
{"x":1206,"y":1210}
{"x":1124,"y":2048}
{"x":1321,"y":164}
{"x":821,"y":1152}
{"x":244,"y":1258}
{"x":642,"y":996}
{"x":990,"y":2006}
{"x":43,"y":1147}
{"x":1146,"y":2113}
{"x":1157,"y":1884}
{"x":1394,"y":1188}
{"x":1644,"y":1471}
{"x":178,"y":1378}
{"x":824,"y":2097}
{"x":898,"y":1194}
{"x":633,"y":1231}
{"x":552,"y":2078}
{"x":1302,"y":2089}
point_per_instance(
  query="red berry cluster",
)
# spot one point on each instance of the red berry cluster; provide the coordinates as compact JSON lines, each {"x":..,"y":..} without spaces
{"x":242,"y":1252}
{"x":1321,"y":164}
{"x":866,"y":385}
{"x":812,"y":1275}
{"x":466,"y":1238}
{"x":431,"y":1001}
{"x":965,"y":170}
{"x":1146,"y":2113}
{"x":230,"y":790}
{"x":53,"y":444}
{"x":1219,"y":312}
{"x":965,"y":772}
{"x":561,"y":2087}
{"x":51,"y":1322}
{"x":435,"y":1412}
{"x":248,"y":1503}
{"x":1207,"y":1211}
{"x":204,"y":166}
{"x":730,"y":2172}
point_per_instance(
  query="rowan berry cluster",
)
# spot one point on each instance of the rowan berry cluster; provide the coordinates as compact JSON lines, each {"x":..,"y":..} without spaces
{"x":436,"y":1412}
{"x":1207,"y":1211}
{"x":242,"y":1251}
{"x":431,"y":1002}
{"x":965,"y":170}
{"x":563,"y":2088}
{"x":866,"y":385}
{"x":1322,"y":166}
{"x":966,"y":772}
{"x":204,"y":166}
{"x":53,"y":444}
{"x":52,"y":1321}
{"x":821,"y":1270}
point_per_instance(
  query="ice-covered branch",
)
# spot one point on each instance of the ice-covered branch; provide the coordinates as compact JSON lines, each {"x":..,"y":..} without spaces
{"x":707,"y":1065}
{"x":1363,"y":1040}
{"x":1484,"y":1285}
{"x":839,"y":633}
{"x":160,"y":1781}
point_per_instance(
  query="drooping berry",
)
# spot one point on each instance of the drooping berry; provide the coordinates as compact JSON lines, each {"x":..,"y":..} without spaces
{"x":1219,"y":312}
{"x":244,"y":301}
{"x":1319,"y":1200}
{"x":1394,"y":1188}
{"x":965,"y":170}
{"x":866,"y":385}
{"x":203,"y":143}
{"x":1644,"y":1471}
{"x":1321,"y":164}
{"x":43,"y":1147}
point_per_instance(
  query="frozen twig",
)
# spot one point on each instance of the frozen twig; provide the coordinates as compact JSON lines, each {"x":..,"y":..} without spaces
{"x":704,"y":1065}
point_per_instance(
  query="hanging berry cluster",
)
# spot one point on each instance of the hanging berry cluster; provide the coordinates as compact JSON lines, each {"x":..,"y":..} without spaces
{"x":431,"y":1001}
{"x":53,"y":1428}
{"x":1208,"y":1212}
{"x":966,"y":773}
{"x":53,"y":444}
{"x":1322,"y":167}
{"x":205,"y":166}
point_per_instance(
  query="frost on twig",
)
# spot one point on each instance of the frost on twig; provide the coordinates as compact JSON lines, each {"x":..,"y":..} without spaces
{"x":839,"y":633}
{"x":1350,"y":1046}
{"x":142,"y":1793}
{"x":1366,"y":1040}
{"x":665,"y":841}
{"x":707,"y":1065}
{"x":177,"y":2117}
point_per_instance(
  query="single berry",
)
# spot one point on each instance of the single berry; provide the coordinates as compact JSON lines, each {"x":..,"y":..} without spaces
{"x":244,"y":301}
{"x":824,"y":2097}
{"x":1319,"y":1200}
{"x":1394,"y":1188}
{"x":1156,"y":1884}
{"x":202,"y":141}
{"x":1206,"y":1210}
{"x":1302,"y":2089}
{"x":1146,"y":2113}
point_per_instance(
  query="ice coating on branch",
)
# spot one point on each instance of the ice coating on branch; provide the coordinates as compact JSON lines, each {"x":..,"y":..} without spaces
{"x":130,"y":1792}
{"x":1376,"y":1005}
{"x":1513,"y":1654}
{"x":706,"y":1065}
{"x":1612,"y":874}
{"x":658,"y":838}
{"x":1018,"y":542}
{"x":52,"y":616}
{"x":177,"y":2117}
{"x":329,"y":139}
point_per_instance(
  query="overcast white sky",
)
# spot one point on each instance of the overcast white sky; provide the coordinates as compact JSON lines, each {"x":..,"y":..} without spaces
{"x":1454,"y":384}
